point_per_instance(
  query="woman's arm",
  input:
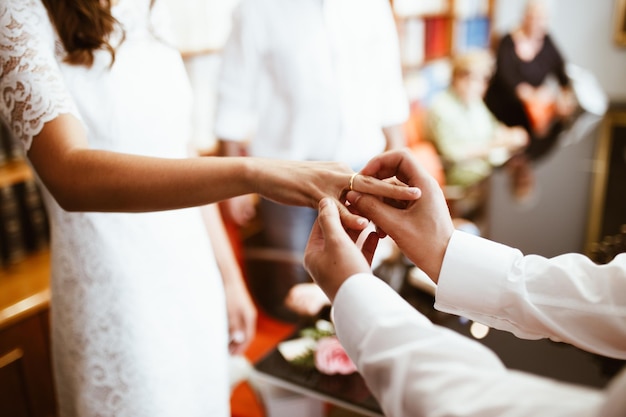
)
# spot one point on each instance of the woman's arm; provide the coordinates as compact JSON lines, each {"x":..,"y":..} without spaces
{"x":83,"y":179}
{"x":239,"y":306}
{"x":558,"y":63}
{"x":507,"y":65}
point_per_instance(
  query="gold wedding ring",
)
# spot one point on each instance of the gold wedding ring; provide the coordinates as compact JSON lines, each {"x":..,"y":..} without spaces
{"x":352,"y":180}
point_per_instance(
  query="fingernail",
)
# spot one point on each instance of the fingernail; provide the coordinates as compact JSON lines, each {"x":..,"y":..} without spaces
{"x":415,"y":190}
{"x":324,"y":202}
{"x":362,"y":222}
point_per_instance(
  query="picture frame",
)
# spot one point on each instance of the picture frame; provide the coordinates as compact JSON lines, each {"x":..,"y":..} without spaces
{"x":620,"y":22}
{"x":607,"y":208}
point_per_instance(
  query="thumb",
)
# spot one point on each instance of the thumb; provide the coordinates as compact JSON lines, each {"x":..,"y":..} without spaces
{"x":383,"y":215}
{"x":369,"y":247}
{"x":328,"y":218}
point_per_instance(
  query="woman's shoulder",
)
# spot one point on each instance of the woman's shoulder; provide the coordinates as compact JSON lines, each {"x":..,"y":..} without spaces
{"x":32,"y":90}
{"x":548,"y":43}
{"x":23,"y":12}
{"x":22,"y":21}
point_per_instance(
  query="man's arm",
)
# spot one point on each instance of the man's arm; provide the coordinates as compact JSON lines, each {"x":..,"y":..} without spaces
{"x":415,"y":368}
{"x":567,"y":298}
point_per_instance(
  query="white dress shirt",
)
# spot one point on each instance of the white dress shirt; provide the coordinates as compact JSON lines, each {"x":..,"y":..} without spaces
{"x":415,"y":368}
{"x":311,"y":79}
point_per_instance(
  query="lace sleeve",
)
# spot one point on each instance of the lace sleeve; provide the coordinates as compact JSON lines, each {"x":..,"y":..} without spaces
{"x":32,"y":91}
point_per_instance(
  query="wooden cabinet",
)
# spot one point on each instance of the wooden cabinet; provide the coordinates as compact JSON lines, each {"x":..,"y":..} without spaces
{"x":26,"y":387}
{"x":26,"y":384}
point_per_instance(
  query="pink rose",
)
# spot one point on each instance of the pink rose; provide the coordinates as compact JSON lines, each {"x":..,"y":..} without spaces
{"x":331,"y":358}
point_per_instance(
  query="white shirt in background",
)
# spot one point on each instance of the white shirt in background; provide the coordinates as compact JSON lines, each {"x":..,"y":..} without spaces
{"x":311,"y":79}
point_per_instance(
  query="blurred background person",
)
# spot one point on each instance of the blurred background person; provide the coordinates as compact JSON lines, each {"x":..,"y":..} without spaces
{"x":305,"y":80}
{"x":531,"y":89}
{"x":469,"y":138}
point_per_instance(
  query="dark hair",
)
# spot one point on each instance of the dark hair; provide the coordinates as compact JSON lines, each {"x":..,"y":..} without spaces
{"x":84,"y":26}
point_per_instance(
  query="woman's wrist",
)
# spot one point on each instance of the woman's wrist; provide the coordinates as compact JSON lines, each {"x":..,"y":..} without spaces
{"x":252,"y":173}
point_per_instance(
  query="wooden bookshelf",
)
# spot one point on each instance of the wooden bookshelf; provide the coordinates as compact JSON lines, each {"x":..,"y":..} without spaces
{"x":24,"y":284}
{"x":15,"y":172}
{"x":24,"y":288}
{"x":431,"y":32}
{"x":26,"y":383}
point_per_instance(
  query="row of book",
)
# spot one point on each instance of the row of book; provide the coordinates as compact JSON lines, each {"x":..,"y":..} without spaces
{"x":23,"y":219}
{"x":10,"y":149}
{"x":23,"y":222}
{"x":428,"y":38}
{"x":423,"y":85}
{"x":458,"y":8}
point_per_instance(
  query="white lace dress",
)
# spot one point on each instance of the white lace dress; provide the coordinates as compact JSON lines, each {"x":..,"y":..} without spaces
{"x":138,"y":312}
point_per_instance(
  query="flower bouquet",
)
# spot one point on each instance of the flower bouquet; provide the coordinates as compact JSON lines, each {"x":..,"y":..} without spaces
{"x":318,"y":347}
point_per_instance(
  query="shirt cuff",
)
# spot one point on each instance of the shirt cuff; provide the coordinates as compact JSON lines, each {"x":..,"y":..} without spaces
{"x":364,"y":299}
{"x":473,"y":274}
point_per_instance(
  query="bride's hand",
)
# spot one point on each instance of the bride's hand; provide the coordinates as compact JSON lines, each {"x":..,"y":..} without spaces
{"x":307,"y":183}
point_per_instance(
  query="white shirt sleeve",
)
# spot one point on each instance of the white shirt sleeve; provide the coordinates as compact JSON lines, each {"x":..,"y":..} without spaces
{"x":236,"y":113}
{"x":415,"y":368}
{"x":566,"y":298}
{"x":32,"y":90}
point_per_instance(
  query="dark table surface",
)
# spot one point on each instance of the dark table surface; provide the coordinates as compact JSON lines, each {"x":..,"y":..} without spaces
{"x":542,"y":357}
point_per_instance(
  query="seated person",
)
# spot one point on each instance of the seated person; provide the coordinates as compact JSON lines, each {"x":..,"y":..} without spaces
{"x":530,"y":88}
{"x":470,"y":140}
